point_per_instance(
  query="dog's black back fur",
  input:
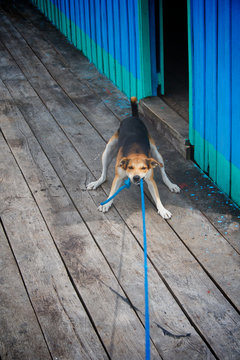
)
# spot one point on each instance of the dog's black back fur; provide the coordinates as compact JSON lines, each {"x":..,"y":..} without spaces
{"x":133,"y":134}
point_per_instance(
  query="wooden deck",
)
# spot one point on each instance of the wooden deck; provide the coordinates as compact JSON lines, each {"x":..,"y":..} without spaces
{"x":71,"y":277}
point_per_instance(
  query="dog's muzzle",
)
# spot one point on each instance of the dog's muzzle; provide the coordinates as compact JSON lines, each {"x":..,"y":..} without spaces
{"x":136,"y":179}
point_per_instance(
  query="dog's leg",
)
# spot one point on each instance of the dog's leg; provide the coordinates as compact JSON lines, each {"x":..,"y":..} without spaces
{"x":107,"y":156}
{"x":156,"y":155}
{"x":152,"y":186}
{"x":115,"y":186}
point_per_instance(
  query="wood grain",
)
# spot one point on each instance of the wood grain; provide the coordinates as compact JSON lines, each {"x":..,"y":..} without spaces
{"x":117,"y":323}
{"x":19,"y":326}
{"x":122,"y":251}
{"x":193,"y":275}
{"x":59,"y":310}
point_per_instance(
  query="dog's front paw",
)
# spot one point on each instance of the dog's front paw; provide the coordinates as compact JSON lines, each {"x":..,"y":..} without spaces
{"x":104,"y":208}
{"x":92,"y":186}
{"x":174,"y":188}
{"x":165,"y":214}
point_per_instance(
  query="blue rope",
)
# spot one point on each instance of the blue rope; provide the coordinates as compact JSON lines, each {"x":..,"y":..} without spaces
{"x":127,"y":185}
{"x":147,"y":327}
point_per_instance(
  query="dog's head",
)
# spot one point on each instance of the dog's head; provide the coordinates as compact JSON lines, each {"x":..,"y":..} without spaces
{"x":138,"y":167}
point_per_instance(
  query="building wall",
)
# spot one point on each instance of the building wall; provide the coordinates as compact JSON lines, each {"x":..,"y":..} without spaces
{"x":112,"y":34}
{"x":214,"y":29}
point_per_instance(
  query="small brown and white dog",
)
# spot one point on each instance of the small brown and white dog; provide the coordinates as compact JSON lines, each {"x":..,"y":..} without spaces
{"x":133,"y":146}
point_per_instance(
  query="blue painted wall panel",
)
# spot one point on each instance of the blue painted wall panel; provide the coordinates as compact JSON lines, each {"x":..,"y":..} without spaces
{"x":117,"y":42}
{"x":236,"y":83}
{"x":199,"y":78}
{"x":106,"y":6}
{"x":215,"y":123}
{"x":210,"y":86}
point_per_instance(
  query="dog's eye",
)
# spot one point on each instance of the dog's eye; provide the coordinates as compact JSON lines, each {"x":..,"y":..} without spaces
{"x":143,"y":168}
{"x":130,"y":167}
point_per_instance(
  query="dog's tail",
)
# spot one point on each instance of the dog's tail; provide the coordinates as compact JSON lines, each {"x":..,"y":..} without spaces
{"x":134,"y":105}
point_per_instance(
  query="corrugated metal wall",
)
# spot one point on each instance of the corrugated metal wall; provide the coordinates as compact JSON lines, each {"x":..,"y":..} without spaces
{"x":113,"y":34}
{"x":214,"y":90}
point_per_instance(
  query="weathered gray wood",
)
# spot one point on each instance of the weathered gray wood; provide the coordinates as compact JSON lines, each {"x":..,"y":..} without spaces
{"x":95,"y":111}
{"x":112,"y":97}
{"x":104,"y":132}
{"x":226,"y":218}
{"x":30,"y":65}
{"x":202,"y":193}
{"x":191,"y":273}
{"x":8,"y":67}
{"x":118,"y":325}
{"x":20,"y":334}
{"x":65,"y":325}
{"x":128,"y":270}
{"x":130,"y":274}
{"x":227,"y":259}
{"x":79,"y":65}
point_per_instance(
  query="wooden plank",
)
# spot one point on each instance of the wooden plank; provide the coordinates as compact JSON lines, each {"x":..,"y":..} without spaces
{"x":210,"y":249}
{"x":211,"y":298}
{"x":205,"y":196}
{"x":118,"y":325}
{"x":8,"y":67}
{"x":118,"y":244}
{"x":66,"y":327}
{"x":18,"y":324}
{"x":27,"y":61}
{"x":113,"y":98}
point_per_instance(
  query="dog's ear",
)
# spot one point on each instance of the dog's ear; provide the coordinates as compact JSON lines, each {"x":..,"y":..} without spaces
{"x":153,"y":163}
{"x":124,"y":163}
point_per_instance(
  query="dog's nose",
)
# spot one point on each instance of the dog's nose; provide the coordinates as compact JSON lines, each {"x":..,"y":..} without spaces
{"x":136,"y":178}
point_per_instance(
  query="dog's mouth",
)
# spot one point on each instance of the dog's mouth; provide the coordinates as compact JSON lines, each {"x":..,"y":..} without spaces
{"x":137,"y":180}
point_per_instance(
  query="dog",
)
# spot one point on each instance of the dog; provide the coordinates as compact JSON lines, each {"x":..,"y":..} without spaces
{"x":133,"y":145}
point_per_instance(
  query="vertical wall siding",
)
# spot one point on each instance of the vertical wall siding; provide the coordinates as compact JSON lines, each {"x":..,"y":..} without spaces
{"x":215,"y":89}
{"x":113,"y":34}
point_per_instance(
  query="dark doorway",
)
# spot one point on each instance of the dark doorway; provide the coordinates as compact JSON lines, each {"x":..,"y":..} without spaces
{"x":175,"y":30}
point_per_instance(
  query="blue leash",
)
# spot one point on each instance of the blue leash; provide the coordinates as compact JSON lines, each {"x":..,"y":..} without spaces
{"x":147,"y":324}
{"x":127,"y":185}
{"x":147,"y":327}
